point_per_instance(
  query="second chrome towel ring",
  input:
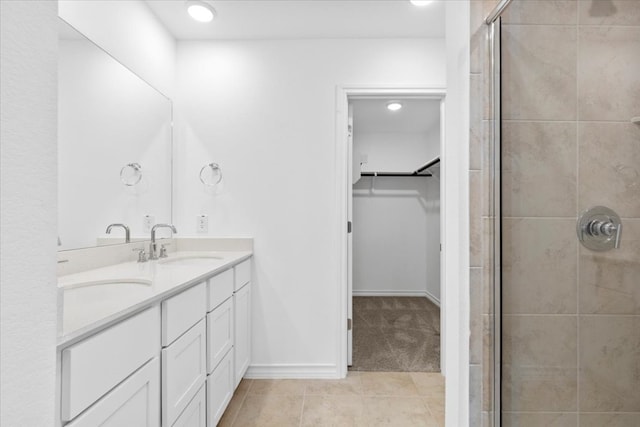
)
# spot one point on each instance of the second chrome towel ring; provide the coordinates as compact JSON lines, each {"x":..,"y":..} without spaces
{"x":211,"y":174}
{"x":131,"y":174}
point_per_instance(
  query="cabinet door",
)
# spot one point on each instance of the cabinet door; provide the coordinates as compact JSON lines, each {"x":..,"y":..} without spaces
{"x":220,"y":386}
{"x":135,"y":402}
{"x":219,"y":333}
{"x":183,"y":371}
{"x":195,"y":415}
{"x":97,"y":364}
{"x":242,"y":341}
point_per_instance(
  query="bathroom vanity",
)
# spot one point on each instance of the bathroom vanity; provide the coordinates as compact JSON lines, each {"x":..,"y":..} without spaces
{"x":158,"y":343}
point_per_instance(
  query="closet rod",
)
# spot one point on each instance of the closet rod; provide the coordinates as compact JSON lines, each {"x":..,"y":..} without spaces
{"x":417,"y":172}
{"x":387,"y":174}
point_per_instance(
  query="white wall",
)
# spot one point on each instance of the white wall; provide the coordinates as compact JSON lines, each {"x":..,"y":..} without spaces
{"x":28,"y":76}
{"x":455,"y":173}
{"x":396,"y":221}
{"x":266,"y":112}
{"x":131,"y":33}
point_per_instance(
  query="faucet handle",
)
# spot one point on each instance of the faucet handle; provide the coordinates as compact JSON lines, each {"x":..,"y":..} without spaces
{"x":163,"y":250}
{"x":142,"y":254}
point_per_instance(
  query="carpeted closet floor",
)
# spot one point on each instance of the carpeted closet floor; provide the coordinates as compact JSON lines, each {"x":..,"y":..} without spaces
{"x":396,"y":334}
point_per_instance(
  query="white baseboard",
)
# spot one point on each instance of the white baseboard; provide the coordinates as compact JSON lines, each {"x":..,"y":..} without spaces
{"x":433,"y":299}
{"x":395,"y":293}
{"x":295,"y":371}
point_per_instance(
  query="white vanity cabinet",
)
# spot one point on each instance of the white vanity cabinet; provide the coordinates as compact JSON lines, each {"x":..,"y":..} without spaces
{"x":135,"y":402}
{"x":184,"y":340}
{"x":195,"y":415}
{"x":174,"y":364}
{"x":242,"y":320}
{"x":97,"y":364}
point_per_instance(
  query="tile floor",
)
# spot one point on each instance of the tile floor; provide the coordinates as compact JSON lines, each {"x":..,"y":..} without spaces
{"x":401,"y":399}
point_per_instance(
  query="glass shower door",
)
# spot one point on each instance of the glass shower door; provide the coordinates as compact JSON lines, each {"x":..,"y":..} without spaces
{"x":570,"y":142}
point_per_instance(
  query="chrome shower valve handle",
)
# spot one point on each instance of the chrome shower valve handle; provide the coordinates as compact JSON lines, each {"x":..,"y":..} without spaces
{"x":599,"y":229}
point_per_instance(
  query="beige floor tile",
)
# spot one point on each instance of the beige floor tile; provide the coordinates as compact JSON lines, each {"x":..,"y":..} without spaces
{"x":233,"y":408}
{"x":334,"y":411}
{"x":270,"y":411}
{"x":429,"y":383}
{"x":278,"y":387}
{"x":436,"y":407}
{"x":398,"y":411}
{"x":352,"y":385}
{"x":388,"y":384}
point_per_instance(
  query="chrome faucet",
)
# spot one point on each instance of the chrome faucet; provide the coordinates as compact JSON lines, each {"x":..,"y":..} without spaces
{"x":127,"y":233}
{"x":153,"y":253}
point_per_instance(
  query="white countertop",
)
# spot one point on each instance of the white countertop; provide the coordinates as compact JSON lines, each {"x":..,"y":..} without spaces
{"x":89,"y":305}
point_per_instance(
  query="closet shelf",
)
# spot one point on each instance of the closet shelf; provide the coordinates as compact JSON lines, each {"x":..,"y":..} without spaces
{"x":417,"y":172}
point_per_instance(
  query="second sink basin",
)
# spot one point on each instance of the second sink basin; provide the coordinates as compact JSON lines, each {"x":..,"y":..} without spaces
{"x":191,"y":260}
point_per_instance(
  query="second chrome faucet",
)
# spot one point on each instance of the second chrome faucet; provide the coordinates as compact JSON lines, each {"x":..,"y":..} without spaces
{"x":153,"y":252}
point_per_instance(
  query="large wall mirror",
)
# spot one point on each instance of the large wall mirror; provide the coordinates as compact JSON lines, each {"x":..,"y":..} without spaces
{"x":114,"y":148}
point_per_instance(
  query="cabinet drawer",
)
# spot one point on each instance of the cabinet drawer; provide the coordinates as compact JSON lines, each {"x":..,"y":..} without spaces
{"x":135,"y":402}
{"x":94,"y":366}
{"x":219,"y":333}
{"x":195,"y":415}
{"x":183,"y":371}
{"x":219,"y":389}
{"x":243,"y":274}
{"x":182,"y":311}
{"x":220,"y":288}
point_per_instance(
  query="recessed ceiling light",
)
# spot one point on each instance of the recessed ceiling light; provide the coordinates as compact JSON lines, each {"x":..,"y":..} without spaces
{"x":394,"y":106}
{"x":200,"y":11}
{"x":420,"y":2}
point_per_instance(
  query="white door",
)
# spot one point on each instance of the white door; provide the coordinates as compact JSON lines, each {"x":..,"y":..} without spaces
{"x":354,"y":173}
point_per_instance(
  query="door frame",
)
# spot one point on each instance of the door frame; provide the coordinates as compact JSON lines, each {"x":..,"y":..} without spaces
{"x":343,"y":180}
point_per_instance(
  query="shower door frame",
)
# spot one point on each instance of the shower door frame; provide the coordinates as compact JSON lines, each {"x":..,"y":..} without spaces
{"x":493,"y":22}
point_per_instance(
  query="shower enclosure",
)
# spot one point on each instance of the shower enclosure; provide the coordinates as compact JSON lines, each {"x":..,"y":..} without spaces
{"x":565,"y":168}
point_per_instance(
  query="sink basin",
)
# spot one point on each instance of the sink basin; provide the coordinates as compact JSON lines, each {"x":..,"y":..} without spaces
{"x":191,"y":260}
{"x":124,"y":282}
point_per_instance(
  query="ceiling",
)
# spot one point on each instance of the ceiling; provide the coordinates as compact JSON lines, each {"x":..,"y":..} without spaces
{"x":295,"y":19}
{"x":416,"y":116}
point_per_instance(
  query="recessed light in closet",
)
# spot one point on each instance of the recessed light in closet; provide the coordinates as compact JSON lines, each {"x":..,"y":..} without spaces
{"x":394,"y":105}
{"x":420,"y":3}
{"x":200,"y":10}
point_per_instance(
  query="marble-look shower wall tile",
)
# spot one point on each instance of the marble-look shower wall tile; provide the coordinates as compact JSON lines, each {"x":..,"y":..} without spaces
{"x":540,"y":341}
{"x":539,"y":389}
{"x":539,"y":266}
{"x":557,"y":12}
{"x":609,"y":363}
{"x":475,"y":219}
{"x":538,"y":72}
{"x":609,"y":282}
{"x":539,"y":169}
{"x":608,"y":64}
{"x":475,"y":395}
{"x":478,"y":44}
{"x":609,"y":166}
{"x":475,"y":122}
{"x":516,"y":419}
{"x":475,"y":315}
{"x":487,"y":362}
{"x":609,"y":12}
{"x":610,"y":420}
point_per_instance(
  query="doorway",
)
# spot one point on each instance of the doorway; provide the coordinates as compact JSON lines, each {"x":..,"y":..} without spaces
{"x":397,"y":183}
{"x":395,"y":234}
